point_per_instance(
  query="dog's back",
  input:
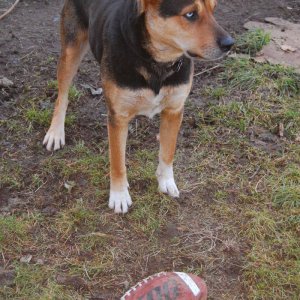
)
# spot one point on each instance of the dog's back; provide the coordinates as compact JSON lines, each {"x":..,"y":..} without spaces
{"x":93,"y":16}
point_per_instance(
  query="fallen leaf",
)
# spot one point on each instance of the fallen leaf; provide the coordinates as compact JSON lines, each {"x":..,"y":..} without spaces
{"x":69,"y":185}
{"x":26,"y":259}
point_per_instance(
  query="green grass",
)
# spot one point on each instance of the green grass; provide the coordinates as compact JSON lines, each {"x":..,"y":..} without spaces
{"x":272,"y":97}
{"x":11,"y":226}
{"x":39,"y":117}
{"x":37,"y":283}
{"x":252,"y":41}
{"x":286,"y":188}
{"x":10,"y":174}
{"x":74,"y":93}
{"x":215,"y":92}
{"x":75,"y":219}
{"x":42,"y":117}
{"x":245,"y":75}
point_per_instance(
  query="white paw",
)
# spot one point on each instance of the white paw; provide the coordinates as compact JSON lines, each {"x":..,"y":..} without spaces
{"x":166,"y":182}
{"x":168,"y":186}
{"x":55,"y":138}
{"x":120,"y":201}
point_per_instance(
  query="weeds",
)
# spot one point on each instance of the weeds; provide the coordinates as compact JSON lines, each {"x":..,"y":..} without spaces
{"x":74,"y":93}
{"x":252,"y":41}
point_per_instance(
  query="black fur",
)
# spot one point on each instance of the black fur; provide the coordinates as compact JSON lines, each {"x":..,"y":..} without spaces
{"x":118,"y":40}
{"x":172,"y":8}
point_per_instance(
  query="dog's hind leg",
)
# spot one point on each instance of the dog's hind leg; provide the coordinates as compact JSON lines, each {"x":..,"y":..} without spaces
{"x":74,"y":40}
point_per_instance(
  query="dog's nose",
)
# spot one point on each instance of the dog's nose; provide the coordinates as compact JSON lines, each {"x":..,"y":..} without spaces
{"x":226,"y":42}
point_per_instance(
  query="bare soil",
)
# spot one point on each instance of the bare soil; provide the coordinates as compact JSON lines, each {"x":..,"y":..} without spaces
{"x":29,"y":49}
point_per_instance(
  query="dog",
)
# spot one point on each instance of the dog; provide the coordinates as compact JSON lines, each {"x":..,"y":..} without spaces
{"x":145,"y":49}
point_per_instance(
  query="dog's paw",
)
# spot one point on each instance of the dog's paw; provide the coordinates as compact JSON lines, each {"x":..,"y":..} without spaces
{"x":168,"y":186}
{"x":55,"y":138}
{"x":120,"y":201}
{"x":166,"y":182}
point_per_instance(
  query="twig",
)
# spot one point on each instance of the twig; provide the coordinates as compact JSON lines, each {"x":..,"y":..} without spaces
{"x":207,"y":70}
{"x":10,"y":9}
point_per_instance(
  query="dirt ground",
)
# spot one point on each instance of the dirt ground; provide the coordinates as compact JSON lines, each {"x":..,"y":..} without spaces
{"x":190,"y":237}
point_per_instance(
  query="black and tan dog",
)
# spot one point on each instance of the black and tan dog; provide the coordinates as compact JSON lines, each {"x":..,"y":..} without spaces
{"x":145,"y":49}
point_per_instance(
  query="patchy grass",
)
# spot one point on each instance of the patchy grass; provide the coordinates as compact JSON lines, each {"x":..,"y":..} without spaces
{"x":246,"y":75}
{"x":252,"y":41}
{"x":42,"y":117}
{"x":76,"y":218}
{"x":268,"y":101}
{"x":10,"y":174}
{"x":74,"y":93}
{"x":255,"y":172}
{"x":39,"y":117}
{"x":37,"y":283}
{"x":14,"y":234}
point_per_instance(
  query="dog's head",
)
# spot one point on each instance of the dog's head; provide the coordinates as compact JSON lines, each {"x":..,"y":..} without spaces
{"x":177,"y":27}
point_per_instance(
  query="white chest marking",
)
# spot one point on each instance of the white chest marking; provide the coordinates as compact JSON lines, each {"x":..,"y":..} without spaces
{"x":152,"y":105}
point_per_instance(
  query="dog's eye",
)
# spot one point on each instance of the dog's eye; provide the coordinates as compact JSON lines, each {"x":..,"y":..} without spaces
{"x":191,"y":16}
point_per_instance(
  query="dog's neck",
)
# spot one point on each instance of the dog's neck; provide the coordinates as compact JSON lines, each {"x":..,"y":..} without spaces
{"x":153,"y":52}
{"x":151,"y":61}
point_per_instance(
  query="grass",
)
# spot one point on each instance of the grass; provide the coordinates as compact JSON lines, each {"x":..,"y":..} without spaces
{"x":10,"y":174}
{"x":13,"y":232}
{"x":252,"y":41}
{"x":76,"y":218}
{"x":74,"y":93}
{"x":43,"y":117}
{"x":245,"y":75}
{"x":258,"y":96}
{"x":269,"y":103}
{"x":37,"y":283}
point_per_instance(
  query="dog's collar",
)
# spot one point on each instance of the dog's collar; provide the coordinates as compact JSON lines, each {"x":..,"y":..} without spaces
{"x":177,"y":65}
{"x":172,"y":67}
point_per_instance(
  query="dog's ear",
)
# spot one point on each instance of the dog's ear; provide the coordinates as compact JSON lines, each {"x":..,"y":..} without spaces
{"x":141,"y":5}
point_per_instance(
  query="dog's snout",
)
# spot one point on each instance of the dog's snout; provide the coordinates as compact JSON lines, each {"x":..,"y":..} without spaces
{"x":225,"y":43}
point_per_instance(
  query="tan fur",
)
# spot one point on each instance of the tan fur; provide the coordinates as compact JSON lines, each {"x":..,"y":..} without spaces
{"x":71,"y":56}
{"x":169,"y":128}
{"x":117,"y":131}
{"x":172,"y":37}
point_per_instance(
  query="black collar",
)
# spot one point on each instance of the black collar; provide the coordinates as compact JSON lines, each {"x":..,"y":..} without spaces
{"x":177,"y":65}
{"x":167,"y":68}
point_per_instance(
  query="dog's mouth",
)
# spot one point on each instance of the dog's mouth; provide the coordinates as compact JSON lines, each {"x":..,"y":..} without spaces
{"x":193,"y":55}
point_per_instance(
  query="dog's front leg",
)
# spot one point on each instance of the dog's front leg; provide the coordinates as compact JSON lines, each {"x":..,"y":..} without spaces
{"x":119,"y":199}
{"x":169,"y":128}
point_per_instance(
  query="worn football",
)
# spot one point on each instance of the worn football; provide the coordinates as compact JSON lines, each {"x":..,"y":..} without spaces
{"x":168,"y":286}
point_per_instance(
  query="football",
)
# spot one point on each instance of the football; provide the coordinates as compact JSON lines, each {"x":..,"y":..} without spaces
{"x":168,"y":286}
